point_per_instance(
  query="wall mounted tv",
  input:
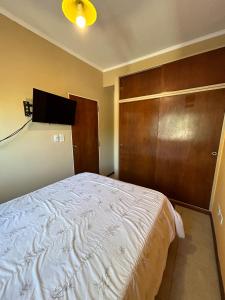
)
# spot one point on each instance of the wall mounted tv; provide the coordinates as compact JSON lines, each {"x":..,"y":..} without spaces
{"x":49,"y":108}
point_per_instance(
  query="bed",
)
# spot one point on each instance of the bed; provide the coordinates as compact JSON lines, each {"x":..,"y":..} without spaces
{"x":85,"y":237}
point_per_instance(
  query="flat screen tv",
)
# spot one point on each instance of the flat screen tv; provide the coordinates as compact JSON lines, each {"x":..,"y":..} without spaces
{"x":49,"y":108}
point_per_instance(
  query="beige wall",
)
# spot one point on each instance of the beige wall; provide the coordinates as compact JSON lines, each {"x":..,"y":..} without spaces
{"x":31,"y":160}
{"x":108,"y":135}
{"x":218,"y":199}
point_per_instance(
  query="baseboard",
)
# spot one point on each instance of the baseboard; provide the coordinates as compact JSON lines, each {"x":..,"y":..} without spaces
{"x":193,"y":207}
{"x":217,"y":260}
{"x":110,"y":174}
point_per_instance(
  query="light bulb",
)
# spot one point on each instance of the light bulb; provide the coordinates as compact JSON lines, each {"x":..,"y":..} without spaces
{"x":81,"y":21}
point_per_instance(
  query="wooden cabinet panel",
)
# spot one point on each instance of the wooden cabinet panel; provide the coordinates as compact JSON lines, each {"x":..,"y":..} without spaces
{"x":199,"y":70}
{"x":141,"y":84}
{"x":168,"y":144}
{"x":195,"y":71}
{"x":189,"y":132}
{"x":138,"y":141}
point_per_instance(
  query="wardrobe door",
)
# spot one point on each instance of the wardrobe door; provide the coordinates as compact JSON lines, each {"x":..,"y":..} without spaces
{"x":138,"y":126}
{"x":188,"y":141}
{"x":195,"y":71}
{"x":141,"y":84}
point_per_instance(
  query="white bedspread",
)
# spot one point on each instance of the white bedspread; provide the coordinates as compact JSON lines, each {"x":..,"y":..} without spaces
{"x":86,"y":237}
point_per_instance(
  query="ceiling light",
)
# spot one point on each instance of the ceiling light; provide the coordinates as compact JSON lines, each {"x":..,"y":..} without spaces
{"x":80,"y":17}
{"x":81,"y":21}
{"x":80,"y":12}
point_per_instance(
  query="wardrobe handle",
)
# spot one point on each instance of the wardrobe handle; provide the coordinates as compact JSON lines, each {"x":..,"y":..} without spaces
{"x":214,"y":153}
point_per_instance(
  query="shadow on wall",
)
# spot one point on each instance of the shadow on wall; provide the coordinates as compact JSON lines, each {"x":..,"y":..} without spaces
{"x":107,"y":149}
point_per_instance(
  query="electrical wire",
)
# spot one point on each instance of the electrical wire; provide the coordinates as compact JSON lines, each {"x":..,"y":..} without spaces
{"x":15,"y":132}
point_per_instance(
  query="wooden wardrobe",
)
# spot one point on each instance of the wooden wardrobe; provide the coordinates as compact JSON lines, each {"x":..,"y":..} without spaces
{"x":171,"y":143}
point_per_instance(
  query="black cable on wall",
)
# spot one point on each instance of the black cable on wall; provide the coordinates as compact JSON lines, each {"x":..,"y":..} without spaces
{"x":15,"y":132}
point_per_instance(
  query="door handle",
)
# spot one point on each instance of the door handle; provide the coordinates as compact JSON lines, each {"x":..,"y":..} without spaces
{"x":75,"y":146}
{"x":214,"y":153}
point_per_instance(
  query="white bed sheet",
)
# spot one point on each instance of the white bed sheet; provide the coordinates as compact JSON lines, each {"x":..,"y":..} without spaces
{"x":85,"y":237}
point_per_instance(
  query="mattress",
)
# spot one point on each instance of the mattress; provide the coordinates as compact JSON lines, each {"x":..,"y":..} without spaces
{"x":85,"y":237}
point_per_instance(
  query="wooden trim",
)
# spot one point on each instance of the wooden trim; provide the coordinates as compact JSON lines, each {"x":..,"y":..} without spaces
{"x":217,"y":260}
{"x":176,"y":93}
{"x":80,"y":96}
{"x":193,"y":207}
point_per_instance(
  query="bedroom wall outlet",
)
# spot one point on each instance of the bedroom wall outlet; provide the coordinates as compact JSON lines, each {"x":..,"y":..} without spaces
{"x":61,"y":138}
{"x":56,"y":138}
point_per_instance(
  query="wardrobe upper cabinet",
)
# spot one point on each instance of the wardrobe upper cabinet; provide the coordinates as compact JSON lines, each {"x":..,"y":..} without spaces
{"x":195,"y":71}
{"x":141,"y":84}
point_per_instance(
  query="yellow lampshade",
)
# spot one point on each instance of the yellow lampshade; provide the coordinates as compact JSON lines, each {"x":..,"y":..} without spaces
{"x":81,"y":12}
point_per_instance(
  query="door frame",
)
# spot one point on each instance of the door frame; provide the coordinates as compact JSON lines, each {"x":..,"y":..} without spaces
{"x":99,"y":143}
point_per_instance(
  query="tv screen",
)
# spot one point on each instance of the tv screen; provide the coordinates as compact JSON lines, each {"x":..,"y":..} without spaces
{"x":49,"y":108}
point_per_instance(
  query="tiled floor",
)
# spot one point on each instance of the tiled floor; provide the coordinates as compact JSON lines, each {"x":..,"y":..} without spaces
{"x":191,"y":272}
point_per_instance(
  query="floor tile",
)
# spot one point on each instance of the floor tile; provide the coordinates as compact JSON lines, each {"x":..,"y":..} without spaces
{"x":191,"y":272}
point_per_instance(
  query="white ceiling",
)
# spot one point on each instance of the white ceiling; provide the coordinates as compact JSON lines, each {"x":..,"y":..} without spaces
{"x":125,"y":30}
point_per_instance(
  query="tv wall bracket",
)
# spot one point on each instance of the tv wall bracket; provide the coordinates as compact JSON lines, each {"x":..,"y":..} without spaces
{"x":27,"y":108}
